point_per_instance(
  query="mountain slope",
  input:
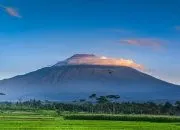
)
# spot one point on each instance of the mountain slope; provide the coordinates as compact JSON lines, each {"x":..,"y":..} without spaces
{"x":70,"y":82}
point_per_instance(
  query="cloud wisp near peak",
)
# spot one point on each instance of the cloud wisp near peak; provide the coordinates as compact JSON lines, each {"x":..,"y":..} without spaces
{"x":101,"y":60}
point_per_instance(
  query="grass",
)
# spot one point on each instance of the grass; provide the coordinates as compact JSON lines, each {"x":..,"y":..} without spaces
{"x":46,"y":120}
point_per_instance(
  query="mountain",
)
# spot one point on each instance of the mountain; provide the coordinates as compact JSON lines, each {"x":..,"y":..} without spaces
{"x":78,"y":59}
{"x":81,"y":75}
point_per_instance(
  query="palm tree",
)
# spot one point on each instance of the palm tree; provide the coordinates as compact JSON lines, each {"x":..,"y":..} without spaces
{"x":114,"y":99}
{"x":92,"y":98}
{"x":177,"y":105}
{"x":102,"y":100}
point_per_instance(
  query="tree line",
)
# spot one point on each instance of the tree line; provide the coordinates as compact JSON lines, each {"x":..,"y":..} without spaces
{"x":97,"y":104}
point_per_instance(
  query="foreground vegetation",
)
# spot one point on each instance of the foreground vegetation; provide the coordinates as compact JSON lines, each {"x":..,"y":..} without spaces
{"x":98,"y":113}
{"x":142,"y":118}
{"x":97,"y":105}
{"x":49,"y":120}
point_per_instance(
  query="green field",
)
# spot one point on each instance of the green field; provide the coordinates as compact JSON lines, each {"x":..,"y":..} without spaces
{"x":48,"y":120}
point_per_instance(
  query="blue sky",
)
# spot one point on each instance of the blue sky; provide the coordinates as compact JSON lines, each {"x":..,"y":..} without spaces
{"x":42,"y":32}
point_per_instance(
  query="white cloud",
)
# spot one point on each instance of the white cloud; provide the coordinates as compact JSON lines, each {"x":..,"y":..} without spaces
{"x":95,"y":60}
{"x":11,"y":11}
{"x":155,"y":43}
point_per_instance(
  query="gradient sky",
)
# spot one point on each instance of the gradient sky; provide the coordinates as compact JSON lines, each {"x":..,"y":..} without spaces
{"x":38,"y":33}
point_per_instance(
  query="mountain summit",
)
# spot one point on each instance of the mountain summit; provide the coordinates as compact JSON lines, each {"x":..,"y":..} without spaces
{"x":77,"y":59}
{"x":91,"y":59}
{"x":82,"y":74}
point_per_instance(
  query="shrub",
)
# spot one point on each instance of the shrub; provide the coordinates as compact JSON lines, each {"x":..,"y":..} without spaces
{"x":123,"y":118}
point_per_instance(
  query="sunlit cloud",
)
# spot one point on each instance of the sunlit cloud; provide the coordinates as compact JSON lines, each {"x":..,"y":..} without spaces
{"x":11,"y":11}
{"x":95,"y":60}
{"x":143,"y":42}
